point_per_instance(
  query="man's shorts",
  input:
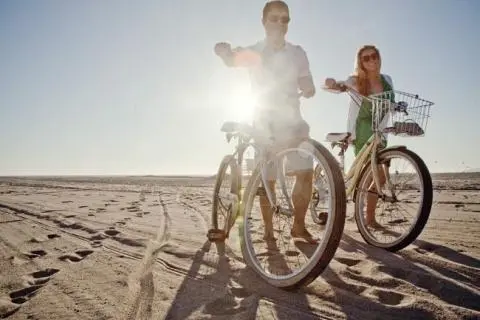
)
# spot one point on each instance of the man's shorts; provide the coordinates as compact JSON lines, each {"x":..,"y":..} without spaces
{"x":287,"y":129}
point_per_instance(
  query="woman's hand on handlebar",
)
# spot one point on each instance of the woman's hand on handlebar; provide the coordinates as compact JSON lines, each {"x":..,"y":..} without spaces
{"x":331,"y":83}
{"x":351,"y":140}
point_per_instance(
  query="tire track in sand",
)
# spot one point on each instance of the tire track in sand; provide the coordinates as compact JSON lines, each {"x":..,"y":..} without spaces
{"x":140,"y":284}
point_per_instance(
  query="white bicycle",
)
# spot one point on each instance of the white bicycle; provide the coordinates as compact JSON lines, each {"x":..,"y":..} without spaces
{"x":235,"y":193}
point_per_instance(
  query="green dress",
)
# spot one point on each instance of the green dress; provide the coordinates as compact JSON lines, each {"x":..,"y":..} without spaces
{"x":363,"y":127}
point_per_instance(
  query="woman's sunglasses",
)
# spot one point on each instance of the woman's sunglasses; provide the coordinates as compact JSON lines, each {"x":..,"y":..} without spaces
{"x":372,"y":56}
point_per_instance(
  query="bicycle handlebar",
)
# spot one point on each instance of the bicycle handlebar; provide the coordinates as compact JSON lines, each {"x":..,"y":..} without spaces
{"x":343,"y":86}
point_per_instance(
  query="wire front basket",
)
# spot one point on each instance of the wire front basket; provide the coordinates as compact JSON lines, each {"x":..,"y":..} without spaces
{"x":400,"y":113}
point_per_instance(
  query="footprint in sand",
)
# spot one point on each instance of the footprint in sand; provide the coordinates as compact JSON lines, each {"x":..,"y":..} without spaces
{"x":231,"y":303}
{"x":154,"y":204}
{"x":123,"y":222}
{"x":41,"y":239}
{"x":349,"y":262}
{"x":391,"y":298}
{"x":96,"y":240}
{"x":426,"y":248}
{"x":77,"y":256}
{"x":35,"y":254}
{"x":96,"y":243}
{"x":111,"y":232}
{"x":132,"y":208}
{"x":33,"y":282}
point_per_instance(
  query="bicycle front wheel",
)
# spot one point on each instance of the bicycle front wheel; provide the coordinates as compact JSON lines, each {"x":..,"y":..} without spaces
{"x":225,"y":199}
{"x":395,"y":220}
{"x":277,"y":256}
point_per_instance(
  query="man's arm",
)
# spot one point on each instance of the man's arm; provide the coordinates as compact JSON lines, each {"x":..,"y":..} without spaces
{"x":305,"y":79}
{"x":238,"y":57}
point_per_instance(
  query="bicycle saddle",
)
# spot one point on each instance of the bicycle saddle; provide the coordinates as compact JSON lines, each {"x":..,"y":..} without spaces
{"x":232,"y":127}
{"x":338,"y":136}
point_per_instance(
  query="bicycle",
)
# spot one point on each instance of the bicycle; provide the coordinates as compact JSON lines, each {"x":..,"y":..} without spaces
{"x":407,"y":118}
{"x":241,"y":200}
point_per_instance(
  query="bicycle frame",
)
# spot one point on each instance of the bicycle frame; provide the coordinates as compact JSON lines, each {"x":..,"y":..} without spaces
{"x":242,"y":145}
{"x":243,"y":142}
{"x":369,"y":152}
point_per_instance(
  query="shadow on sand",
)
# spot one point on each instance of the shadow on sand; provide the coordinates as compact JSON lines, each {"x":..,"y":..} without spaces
{"x":234,"y":291}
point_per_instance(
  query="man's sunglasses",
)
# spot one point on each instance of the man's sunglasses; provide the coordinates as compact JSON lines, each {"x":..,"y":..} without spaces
{"x":283,"y":19}
{"x":372,"y":56}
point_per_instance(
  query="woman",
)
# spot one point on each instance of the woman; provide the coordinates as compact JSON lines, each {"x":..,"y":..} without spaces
{"x":367,"y":79}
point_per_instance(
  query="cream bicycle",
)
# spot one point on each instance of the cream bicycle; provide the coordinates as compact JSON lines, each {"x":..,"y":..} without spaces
{"x":370,"y":178}
{"x":231,"y":200}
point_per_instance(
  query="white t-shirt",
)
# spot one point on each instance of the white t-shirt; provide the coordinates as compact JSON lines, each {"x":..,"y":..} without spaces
{"x":275,"y":80}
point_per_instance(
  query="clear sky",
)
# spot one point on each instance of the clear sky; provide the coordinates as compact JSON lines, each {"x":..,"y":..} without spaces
{"x":133,"y":87}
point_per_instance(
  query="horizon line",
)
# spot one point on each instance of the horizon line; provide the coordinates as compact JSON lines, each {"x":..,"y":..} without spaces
{"x":197,"y":175}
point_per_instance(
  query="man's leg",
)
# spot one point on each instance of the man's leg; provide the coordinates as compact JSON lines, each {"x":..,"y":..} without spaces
{"x":302,"y":190}
{"x":265,"y":206}
{"x":301,"y":196}
{"x":267,"y":213}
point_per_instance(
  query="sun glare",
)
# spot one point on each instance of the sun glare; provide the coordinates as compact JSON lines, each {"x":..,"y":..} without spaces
{"x":241,"y":103}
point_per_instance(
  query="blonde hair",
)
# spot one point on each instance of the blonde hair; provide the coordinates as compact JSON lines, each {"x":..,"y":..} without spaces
{"x":359,"y":73}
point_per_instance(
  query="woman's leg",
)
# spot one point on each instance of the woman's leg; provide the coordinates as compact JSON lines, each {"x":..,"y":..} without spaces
{"x":372,"y":197}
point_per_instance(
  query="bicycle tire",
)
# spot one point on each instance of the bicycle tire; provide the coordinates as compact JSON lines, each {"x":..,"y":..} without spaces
{"x":424,"y":209}
{"x":320,"y":259}
{"x":215,"y":234}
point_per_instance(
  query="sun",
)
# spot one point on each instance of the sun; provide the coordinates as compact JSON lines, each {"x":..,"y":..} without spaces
{"x":241,"y":103}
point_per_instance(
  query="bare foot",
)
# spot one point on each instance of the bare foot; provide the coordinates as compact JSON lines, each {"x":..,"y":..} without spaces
{"x":268,"y":236}
{"x":375,"y":225}
{"x":303,"y":234}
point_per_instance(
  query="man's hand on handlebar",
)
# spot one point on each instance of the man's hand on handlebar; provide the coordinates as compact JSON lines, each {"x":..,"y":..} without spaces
{"x":225,"y":52}
{"x":223,"y":49}
{"x":237,"y":57}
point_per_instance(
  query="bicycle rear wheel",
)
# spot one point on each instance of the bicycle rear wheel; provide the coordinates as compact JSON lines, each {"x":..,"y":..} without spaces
{"x":279,"y":272}
{"x":392,"y":218}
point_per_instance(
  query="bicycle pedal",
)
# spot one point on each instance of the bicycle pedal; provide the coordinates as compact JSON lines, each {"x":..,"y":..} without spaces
{"x":261,"y":192}
{"x":216,"y":235}
{"x":322,"y":218}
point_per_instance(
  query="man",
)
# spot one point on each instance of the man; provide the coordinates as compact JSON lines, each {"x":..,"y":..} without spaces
{"x":278,"y":71}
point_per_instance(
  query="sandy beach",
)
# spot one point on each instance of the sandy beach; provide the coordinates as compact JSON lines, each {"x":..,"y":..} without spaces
{"x":136,"y":248}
